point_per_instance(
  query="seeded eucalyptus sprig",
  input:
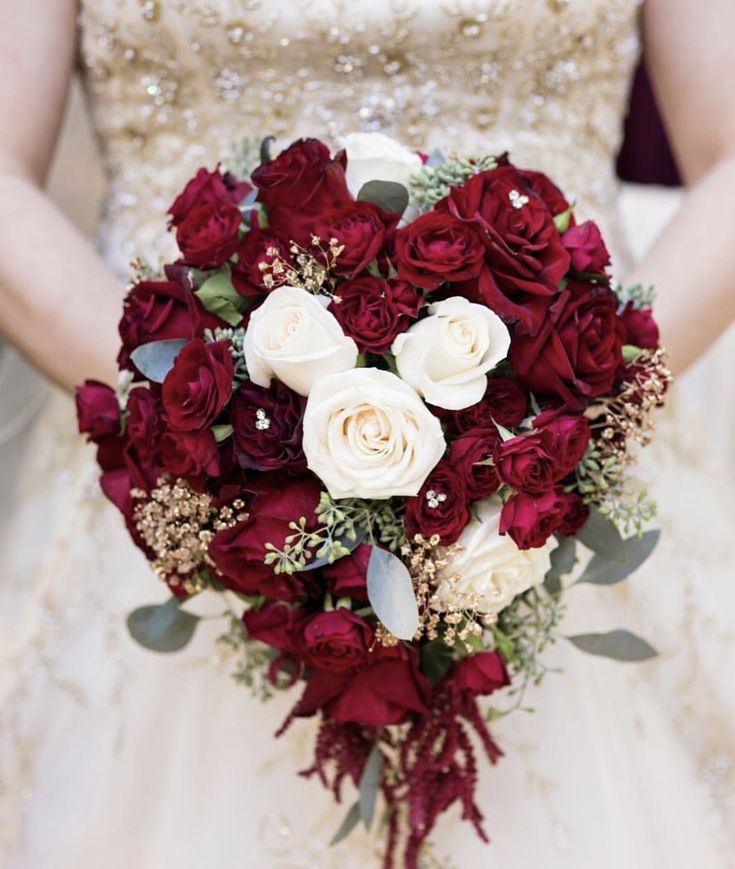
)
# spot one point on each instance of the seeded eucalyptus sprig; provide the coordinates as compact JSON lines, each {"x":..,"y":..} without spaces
{"x":433,"y":182}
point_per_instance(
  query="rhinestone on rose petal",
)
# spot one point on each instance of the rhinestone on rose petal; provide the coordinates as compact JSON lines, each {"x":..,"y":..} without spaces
{"x":517,"y":200}
{"x":262,"y":421}
{"x":434,"y":499}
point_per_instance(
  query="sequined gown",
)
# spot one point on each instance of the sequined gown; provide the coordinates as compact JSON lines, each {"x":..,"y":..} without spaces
{"x":113,"y":757}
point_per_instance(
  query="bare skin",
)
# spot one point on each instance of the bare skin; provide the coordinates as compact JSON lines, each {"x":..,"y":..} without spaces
{"x":60,"y":305}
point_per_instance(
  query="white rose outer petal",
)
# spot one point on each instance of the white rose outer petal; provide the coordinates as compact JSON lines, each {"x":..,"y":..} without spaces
{"x":490,"y":569}
{"x":292,"y":337}
{"x":377,"y":157}
{"x":368,"y":435}
{"x":446,"y":356}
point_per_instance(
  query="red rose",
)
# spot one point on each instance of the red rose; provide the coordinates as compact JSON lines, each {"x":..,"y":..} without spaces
{"x":190,"y":454}
{"x":208,"y":236}
{"x":586,"y":248}
{"x":641,"y":329}
{"x":199,"y":385}
{"x":524,"y":464}
{"x":347,"y":576}
{"x":254,"y":261}
{"x":276,"y":624}
{"x":206,"y":188}
{"x":373,"y":311}
{"x":575,"y":514}
{"x":337,"y":640}
{"x":144,"y":420}
{"x":98,"y":412}
{"x":469,"y":455}
{"x":529,"y":520}
{"x":545,"y":189}
{"x":525,"y":257}
{"x":577,"y":353}
{"x":274,"y":501}
{"x":565,"y":436}
{"x":299,"y":185}
{"x":481,"y":673}
{"x":441,"y":506}
{"x":267,"y":427}
{"x":437,"y":248}
{"x":505,"y":402}
{"x":361,"y":228}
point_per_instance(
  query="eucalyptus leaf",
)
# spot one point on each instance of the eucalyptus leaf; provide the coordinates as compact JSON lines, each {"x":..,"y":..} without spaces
{"x":563,"y":558}
{"x":602,"y":536}
{"x":219,"y":297}
{"x":388,"y":195}
{"x":348,"y":825}
{"x":155,"y":359}
{"x":370,"y":785}
{"x":619,"y":644}
{"x":436,"y":158}
{"x":634,"y":551}
{"x":391,"y":595}
{"x":162,"y":627}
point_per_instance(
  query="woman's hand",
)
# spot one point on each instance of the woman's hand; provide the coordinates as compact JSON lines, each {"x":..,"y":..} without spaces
{"x":58,"y":302}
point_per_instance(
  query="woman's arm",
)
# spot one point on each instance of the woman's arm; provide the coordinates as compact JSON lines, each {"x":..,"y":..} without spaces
{"x":688,"y":47}
{"x":58,"y":303}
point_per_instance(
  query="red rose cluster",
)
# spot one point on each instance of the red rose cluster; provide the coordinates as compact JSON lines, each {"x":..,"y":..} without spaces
{"x":505,"y":239}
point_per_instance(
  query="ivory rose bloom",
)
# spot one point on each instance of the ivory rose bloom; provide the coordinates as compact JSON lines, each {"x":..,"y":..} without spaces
{"x":293,"y":337}
{"x":377,"y":157}
{"x":368,"y":435}
{"x":490,"y":570}
{"x":446,"y":356}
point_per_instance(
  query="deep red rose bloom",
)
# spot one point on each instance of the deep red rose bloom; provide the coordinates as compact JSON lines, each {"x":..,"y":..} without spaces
{"x":481,"y":673}
{"x":525,"y":464}
{"x":199,"y":385}
{"x":505,"y":402}
{"x":437,"y":248}
{"x":640,"y":327}
{"x":586,"y":248}
{"x":468,"y":455}
{"x":273,"y":502}
{"x":208,"y":236}
{"x":575,"y":514}
{"x":545,"y":189}
{"x":577,"y":353}
{"x":387,"y":690}
{"x":530,"y":520}
{"x":267,"y":426}
{"x":565,"y":436}
{"x":144,"y":419}
{"x":362,"y":228}
{"x":206,"y":188}
{"x":276,"y":624}
{"x":347,"y":576}
{"x":441,"y":506}
{"x":98,"y":412}
{"x":190,"y":454}
{"x":373,"y":311}
{"x":254,"y":261}
{"x":525,"y":257}
{"x":298,"y":185}
{"x":337,"y":640}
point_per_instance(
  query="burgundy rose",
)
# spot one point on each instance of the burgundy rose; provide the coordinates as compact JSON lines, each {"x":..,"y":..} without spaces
{"x":525,"y":257}
{"x":337,"y":640}
{"x":373,"y":311}
{"x":98,"y":412}
{"x":199,"y":385}
{"x":545,"y":189}
{"x":586,"y":248}
{"x":505,"y":402}
{"x":441,"y":506}
{"x":481,"y":673}
{"x":267,"y":426}
{"x":190,"y":454}
{"x":208,"y":236}
{"x":437,"y":248}
{"x":255,"y":258}
{"x":565,"y":436}
{"x":640,"y":327}
{"x":206,"y":188}
{"x":361,"y":228}
{"x":525,"y":464}
{"x":471,"y":456}
{"x":529,"y":520}
{"x":276,"y":624}
{"x":575,"y":514}
{"x":577,"y":352}
{"x":347,"y":576}
{"x":144,"y":418}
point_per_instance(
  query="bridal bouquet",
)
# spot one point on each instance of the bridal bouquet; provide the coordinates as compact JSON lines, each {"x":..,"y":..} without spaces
{"x":376,"y":404}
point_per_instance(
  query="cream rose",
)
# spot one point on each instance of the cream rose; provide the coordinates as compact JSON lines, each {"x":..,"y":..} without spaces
{"x":446,"y":356}
{"x":368,"y":435}
{"x":490,"y":570}
{"x":293,"y":337}
{"x":377,"y":157}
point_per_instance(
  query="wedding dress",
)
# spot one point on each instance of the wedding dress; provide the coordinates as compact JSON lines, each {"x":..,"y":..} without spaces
{"x":111,"y":756}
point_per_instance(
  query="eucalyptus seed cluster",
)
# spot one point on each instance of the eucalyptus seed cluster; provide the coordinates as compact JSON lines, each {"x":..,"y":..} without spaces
{"x":236,"y":337}
{"x":432,"y":183}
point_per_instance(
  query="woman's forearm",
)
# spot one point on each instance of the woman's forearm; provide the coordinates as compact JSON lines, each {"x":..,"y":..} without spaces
{"x":59,"y":304}
{"x":691,"y":266}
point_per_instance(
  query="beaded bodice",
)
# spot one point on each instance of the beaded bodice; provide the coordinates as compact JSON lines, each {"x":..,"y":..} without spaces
{"x":174,"y":84}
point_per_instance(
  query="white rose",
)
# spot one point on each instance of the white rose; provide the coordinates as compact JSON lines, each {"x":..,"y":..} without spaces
{"x":446,"y":356}
{"x":293,"y":337}
{"x":368,"y":435}
{"x":490,"y":570}
{"x":377,"y":157}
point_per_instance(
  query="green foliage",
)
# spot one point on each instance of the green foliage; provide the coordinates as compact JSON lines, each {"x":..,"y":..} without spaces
{"x":253,"y":659}
{"x":391,"y":593}
{"x":433,"y":182}
{"x":640,"y":296}
{"x":219,"y":297}
{"x":388,"y":195}
{"x":162,"y":627}
{"x":236,"y":337}
{"x":620,"y":645}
